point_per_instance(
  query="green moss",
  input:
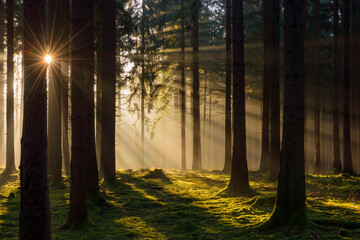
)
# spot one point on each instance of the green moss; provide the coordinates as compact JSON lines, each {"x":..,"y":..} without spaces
{"x":189,"y":207}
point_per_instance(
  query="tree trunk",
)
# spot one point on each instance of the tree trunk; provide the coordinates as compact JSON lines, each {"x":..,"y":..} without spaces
{"x":34,"y":221}
{"x":267,"y":36}
{"x":335,"y":80}
{"x":348,"y":166}
{"x":10,"y":155}
{"x":78,"y":215}
{"x":317,"y":90}
{"x":197,"y":163}
{"x":92,"y":177}
{"x":142,"y":85}
{"x":290,"y":201}
{"x":275,"y":90}
{"x":65,"y":65}
{"x":2,"y":81}
{"x":183,"y":89}
{"x":54,"y":121}
{"x":108,"y":99}
{"x":227,"y":166}
{"x":239,"y":181}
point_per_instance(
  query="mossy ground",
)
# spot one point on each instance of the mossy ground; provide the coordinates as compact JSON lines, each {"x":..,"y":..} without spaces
{"x":188,"y":206}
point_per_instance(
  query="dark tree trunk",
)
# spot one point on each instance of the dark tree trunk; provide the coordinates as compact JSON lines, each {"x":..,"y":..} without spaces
{"x":98,"y":49}
{"x":92,"y":177}
{"x":348,"y":166}
{"x":335,"y":73}
{"x":54,"y":121}
{"x":290,"y":202}
{"x":239,"y":181}
{"x":275,"y":90}
{"x":108,"y":99}
{"x":65,"y":66}
{"x":197,"y":163}
{"x":143,"y":19}
{"x":10,"y":155}
{"x":78,"y":214}
{"x":267,"y":61}
{"x":34,"y":221}
{"x":183,"y":88}
{"x":227,"y":166}
{"x":2,"y":80}
{"x":317,"y":90}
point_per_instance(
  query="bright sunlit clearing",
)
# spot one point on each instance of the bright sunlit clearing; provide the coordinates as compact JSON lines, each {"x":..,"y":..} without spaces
{"x":48,"y":58}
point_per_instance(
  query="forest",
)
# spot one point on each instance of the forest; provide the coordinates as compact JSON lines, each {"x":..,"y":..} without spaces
{"x":174,"y":119}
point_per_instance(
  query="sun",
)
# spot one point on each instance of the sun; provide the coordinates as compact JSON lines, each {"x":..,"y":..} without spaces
{"x":48,"y":58}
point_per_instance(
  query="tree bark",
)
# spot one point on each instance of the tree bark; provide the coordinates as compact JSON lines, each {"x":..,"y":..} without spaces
{"x":239,"y":181}
{"x":10,"y":155}
{"x":275,"y":90}
{"x":290,"y":202}
{"x":197,"y":163}
{"x":34,"y":221}
{"x":78,"y":215}
{"x":65,"y":67}
{"x":317,"y":89}
{"x":267,"y":61}
{"x":227,"y":166}
{"x":2,"y":81}
{"x":183,"y":88}
{"x":335,"y":80}
{"x":108,"y":99}
{"x":54,"y":121}
{"x":347,"y":159}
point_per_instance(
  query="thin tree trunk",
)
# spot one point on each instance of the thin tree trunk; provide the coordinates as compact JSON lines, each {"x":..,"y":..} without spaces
{"x":239,"y":181}
{"x":197,"y":163}
{"x":275,"y":90}
{"x":34,"y":220}
{"x":348,"y":166}
{"x":65,"y":65}
{"x":10,"y":154}
{"x":142,"y":85}
{"x":54,"y":121}
{"x":108,"y":99}
{"x":317,"y":90}
{"x":183,"y":89}
{"x":2,"y":82}
{"x":267,"y":36}
{"x":227,"y":166}
{"x":335,"y":73}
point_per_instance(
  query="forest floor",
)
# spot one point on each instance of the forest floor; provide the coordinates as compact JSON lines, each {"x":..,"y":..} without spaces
{"x":187,"y":205}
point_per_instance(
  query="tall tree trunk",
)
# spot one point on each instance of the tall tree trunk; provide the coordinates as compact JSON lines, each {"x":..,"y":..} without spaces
{"x":227,"y":166}
{"x":34,"y":221}
{"x":65,"y":65}
{"x":197,"y":163}
{"x":2,"y":81}
{"x":348,"y":166}
{"x":239,"y":181}
{"x":98,"y":49}
{"x":10,"y":155}
{"x":335,"y":80}
{"x":317,"y":90}
{"x":183,"y":89}
{"x":92,"y":177}
{"x":267,"y":36}
{"x":108,"y":99}
{"x":290,"y":201}
{"x":78,"y":214}
{"x":275,"y":90}
{"x":142,"y":85}
{"x":54,"y":121}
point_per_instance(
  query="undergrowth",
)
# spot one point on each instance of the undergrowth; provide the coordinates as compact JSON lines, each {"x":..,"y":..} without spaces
{"x":187,"y":205}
